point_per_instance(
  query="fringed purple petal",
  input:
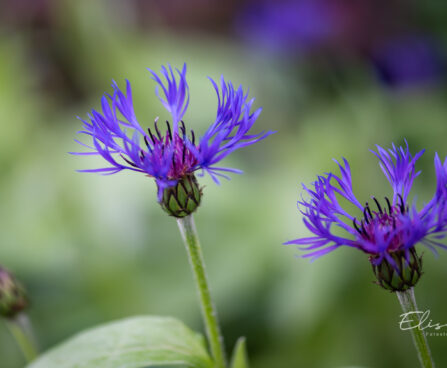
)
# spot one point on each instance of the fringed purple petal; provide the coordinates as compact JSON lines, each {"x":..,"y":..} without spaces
{"x":119,"y":139}
{"x":437,"y":207}
{"x":174,"y":95}
{"x":398,"y":165}
{"x":230,"y":130}
{"x":321,"y":252}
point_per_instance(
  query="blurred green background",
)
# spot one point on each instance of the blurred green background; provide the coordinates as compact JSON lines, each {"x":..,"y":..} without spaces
{"x":334,"y":79}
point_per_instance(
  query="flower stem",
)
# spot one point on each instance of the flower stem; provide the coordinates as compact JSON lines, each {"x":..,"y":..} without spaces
{"x":408,"y":302}
{"x":20,"y":328}
{"x":209,"y":314}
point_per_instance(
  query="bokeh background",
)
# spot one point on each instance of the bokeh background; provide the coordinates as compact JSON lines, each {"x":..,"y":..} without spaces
{"x":334,"y":78}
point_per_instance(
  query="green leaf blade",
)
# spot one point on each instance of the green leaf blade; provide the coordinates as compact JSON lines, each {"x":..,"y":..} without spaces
{"x":135,"y":342}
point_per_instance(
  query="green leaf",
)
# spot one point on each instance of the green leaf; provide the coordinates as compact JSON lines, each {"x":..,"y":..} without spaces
{"x":239,"y":358}
{"x":135,"y":342}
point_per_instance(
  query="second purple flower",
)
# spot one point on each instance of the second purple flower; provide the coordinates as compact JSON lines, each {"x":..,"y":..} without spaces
{"x":387,"y":230}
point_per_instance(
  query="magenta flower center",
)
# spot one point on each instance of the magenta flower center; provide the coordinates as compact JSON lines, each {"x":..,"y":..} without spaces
{"x":383,"y":224}
{"x":183,"y":161}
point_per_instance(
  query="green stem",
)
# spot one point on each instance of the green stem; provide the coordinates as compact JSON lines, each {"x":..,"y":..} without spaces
{"x":20,"y":328}
{"x":209,"y":314}
{"x":408,"y":302}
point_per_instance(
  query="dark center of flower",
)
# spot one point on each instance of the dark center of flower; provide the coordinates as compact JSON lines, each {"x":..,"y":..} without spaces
{"x":183,"y":160}
{"x":386,"y":221}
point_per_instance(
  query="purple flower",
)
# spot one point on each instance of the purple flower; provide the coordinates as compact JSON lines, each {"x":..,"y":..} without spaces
{"x":408,"y":61}
{"x":290,"y":25}
{"x":386,"y":230}
{"x":170,"y":156}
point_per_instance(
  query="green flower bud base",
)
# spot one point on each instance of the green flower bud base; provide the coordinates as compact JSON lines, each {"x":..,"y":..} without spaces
{"x":182,"y":199}
{"x":404,"y":277}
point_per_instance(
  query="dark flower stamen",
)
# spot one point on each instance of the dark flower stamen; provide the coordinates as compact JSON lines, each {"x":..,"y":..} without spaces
{"x":364,"y":232}
{"x":379,"y":207}
{"x":128,"y":161}
{"x":156,"y":130}
{"x":169,"y":130}
{"x":402,"y":205}
{"x":151,"y":135}
{"x":379,"y":220}
{"x":389,"y":205}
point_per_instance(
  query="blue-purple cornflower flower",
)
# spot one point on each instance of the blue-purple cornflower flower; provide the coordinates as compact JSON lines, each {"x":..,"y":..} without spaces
{"x":408,"y":61}
{"x":385,"y":230}
{"x":292,"y":25}
{"x":173,"y":157}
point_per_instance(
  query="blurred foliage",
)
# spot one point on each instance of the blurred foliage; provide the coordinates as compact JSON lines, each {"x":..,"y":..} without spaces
{"x":91,"y":249}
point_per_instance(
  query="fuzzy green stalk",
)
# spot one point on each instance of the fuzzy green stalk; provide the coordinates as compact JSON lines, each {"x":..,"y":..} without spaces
{"x":20,"y":328}
{"x":408,"y":302}
{"x":209,"y":314}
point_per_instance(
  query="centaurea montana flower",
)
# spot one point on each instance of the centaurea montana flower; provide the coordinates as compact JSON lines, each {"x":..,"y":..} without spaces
{"x":389,"y":232}
{"x":171,"y":158}
{"x":408,"y":61}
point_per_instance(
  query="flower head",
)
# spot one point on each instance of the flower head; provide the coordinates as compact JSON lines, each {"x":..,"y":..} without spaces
{"x":173,"y":156}
{"x":386,"y":230}
{"x":408,"y":61}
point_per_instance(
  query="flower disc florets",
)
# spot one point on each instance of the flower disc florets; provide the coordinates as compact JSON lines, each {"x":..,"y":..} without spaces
{"x":388,"y":232}
{"x":383,"y":222}
{"x":183,"y":161}
{"x":406,"y":267}
{"x":175,"y":156}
